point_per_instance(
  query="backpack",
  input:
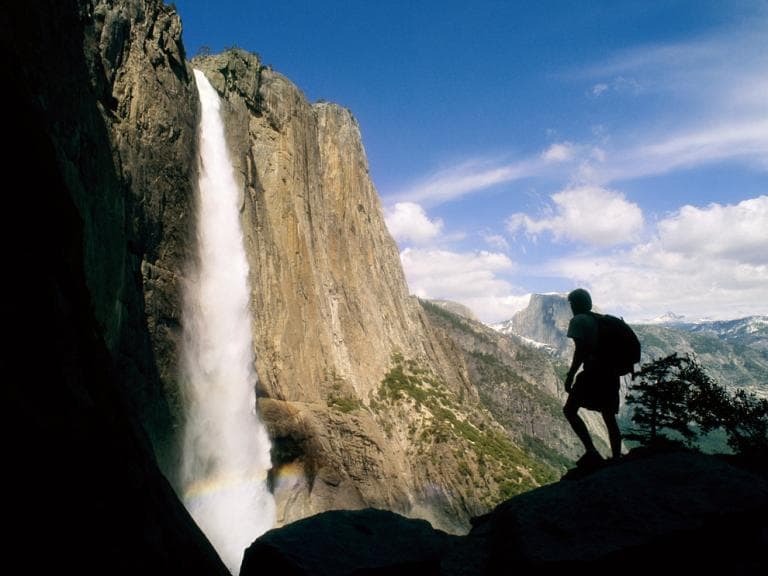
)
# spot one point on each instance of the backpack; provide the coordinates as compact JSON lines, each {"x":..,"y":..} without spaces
{"x":617,"y":344}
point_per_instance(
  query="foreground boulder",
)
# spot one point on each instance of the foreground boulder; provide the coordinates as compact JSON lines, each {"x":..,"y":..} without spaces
{"x":349,"y":542}
{"x":677,"y":510}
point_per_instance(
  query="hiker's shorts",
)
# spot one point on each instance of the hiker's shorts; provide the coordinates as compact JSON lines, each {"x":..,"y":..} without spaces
{"x":595,"y":390}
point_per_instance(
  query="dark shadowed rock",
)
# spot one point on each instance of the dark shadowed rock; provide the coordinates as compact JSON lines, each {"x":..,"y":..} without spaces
{"x":677,"y":510}
{"x":85,"y":495}
{"x":682,"y":511}
{"x":349,"y":542}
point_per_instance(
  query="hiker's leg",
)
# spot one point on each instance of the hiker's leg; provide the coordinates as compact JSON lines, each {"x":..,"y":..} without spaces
{"x":571,"y":411}
{"x":614,"y":434}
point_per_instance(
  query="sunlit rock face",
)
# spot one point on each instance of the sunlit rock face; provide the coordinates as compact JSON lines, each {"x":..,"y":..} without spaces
{"x":330,"y":302}
{"x":331,"y":299}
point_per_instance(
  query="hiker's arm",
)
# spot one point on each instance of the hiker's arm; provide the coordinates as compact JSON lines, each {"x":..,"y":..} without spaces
{"x":579,"y":355}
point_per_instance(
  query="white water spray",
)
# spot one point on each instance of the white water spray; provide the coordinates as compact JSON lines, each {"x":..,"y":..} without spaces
{"x":226,"y":448}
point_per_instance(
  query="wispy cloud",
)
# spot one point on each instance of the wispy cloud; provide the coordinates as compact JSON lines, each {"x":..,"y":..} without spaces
{"x":692,"y":104}
{"x":701,"y":67}
{"x":711,"y":103}
{"x":467,"y":178}
{"x":496,"y":241}
{"x":688,"y":147}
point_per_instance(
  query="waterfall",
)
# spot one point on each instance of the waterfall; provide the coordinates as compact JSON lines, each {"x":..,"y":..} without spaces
{"x":226,"y":448}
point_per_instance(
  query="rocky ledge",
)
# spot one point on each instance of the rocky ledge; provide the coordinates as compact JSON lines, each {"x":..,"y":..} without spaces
{"x":676,"y":510}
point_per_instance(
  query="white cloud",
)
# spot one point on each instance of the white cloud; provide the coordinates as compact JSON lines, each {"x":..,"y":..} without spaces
{"x":738,"y":232}
{"x":407,"y":222}
{"x":707,"y":261}
{"x":586,"y":214}
{"x":559,"y":152}
{"x":646,"y":289}
{"x":470,"y":278}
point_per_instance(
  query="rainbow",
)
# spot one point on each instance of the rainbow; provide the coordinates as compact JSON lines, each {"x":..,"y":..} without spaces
{"x":222,"y":483}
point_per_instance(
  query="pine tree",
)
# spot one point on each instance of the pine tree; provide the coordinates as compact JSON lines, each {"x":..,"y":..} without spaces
{"x":709,"y":405}
{"x":660,"y":395}
{"x":676,"y":394}
{"x":747,"y":423}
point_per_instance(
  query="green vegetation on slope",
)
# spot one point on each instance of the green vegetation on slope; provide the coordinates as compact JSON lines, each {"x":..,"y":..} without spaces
{"x":481,"y":448}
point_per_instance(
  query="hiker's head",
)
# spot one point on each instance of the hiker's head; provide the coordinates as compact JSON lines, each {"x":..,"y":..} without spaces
{"x":580,"y":301}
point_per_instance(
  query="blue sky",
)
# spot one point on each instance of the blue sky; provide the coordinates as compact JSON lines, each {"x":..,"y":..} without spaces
{"x":535,"y":147}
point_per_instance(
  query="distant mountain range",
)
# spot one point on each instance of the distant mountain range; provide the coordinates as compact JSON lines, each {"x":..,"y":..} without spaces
{"x":734,"y":352}
{"x":752,"y":330}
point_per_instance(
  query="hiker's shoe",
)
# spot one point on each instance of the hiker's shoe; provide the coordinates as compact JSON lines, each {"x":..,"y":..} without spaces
{"x":591,"y":458}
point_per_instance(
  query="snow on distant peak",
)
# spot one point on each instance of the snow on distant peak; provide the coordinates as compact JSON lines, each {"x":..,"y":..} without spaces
{"x":535,"y":343}
{"x":668,"y":318}
{"x":504,"y":327}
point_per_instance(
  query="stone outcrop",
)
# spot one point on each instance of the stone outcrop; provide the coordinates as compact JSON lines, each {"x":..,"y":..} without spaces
{"x":678,"y":510}
{"x":349,"y":542}
{"x":683,"y":511}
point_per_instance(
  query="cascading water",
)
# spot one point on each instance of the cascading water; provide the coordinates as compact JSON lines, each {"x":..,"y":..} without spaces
{"x":226,"y":448}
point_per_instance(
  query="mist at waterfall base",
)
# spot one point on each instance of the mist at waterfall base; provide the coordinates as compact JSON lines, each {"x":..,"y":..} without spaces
{"x":226,"y":448}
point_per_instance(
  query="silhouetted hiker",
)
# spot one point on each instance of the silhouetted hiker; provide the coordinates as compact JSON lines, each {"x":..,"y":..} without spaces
{"x":597,"y":385}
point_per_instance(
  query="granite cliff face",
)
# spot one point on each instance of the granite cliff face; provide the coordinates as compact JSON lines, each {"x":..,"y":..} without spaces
{"x":333,"y":321}
{"x":325,"y":273}
{"x":152,"y":118}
